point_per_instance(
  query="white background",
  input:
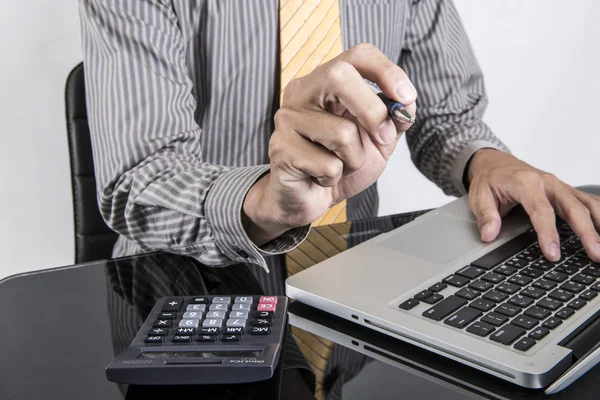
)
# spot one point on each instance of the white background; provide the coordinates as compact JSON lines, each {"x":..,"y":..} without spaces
{"x":540,"y":57}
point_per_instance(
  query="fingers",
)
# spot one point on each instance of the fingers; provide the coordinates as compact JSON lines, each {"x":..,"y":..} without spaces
{"x":592,"y":202}
{"x":485,"y":207}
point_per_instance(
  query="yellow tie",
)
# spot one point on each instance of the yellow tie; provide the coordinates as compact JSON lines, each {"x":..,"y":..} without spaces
{"x":310,"y":34}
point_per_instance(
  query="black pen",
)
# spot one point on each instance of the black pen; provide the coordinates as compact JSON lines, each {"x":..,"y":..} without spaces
{"x":396,"y":110}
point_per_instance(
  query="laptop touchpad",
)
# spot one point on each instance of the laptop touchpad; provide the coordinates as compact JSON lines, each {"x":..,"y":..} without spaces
{"x":439,"y":239}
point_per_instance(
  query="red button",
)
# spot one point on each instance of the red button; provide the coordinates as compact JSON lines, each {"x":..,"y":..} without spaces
{"x":268,"y":299}
{"x":266,"y":307}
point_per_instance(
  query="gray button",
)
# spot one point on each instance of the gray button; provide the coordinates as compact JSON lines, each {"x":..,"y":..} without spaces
{"x":238,"y":314}
{"x":218,"y":307}
{"x":244,"y":299}
{"x":224,"y":300}
{"x":212,"y":323}
{"x":192,"y":315}
{"x":241,"y":307}
{"x":196,"y":307}
{"x":189,"y":323}
{"x":215,"y":314}
{"x":236,"y":322}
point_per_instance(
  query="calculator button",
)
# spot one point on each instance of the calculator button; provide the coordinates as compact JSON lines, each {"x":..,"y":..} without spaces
{"x":220,"y":307}
{"x":260,"y":330}
{"x":268,"y":299}
{"x":236,"y":322}
{"x":233,"y":330}
{"x":182,"y":339}
{"x":162,"y":323}
{"x":215,"y":314}
{"x":207,"y":338}
{"x":212,"y":323}
{"x":208,"y":331}
{"x":167,"y":315}
{"x":172,"y":304}
{"x":189,"y":323}
{"x":231,"y":338}
{"x":185,"y":331}
{"x":193,"y":315}
{"x":196,"y":307}
{"x":241,"y":307}
{"x":238,"y":314}
{"x":265,"y":307}
{"x":199,"y":300}
{"x":243,"y":299}
{"x":262,"y":322}
{"x":222,"y":300}
{"x":263,"y":314}
{"x":158,"y":332}
{"x":154,"y":340}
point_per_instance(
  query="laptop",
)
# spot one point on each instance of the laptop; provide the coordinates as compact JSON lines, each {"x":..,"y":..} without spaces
{"x":500,"y":307}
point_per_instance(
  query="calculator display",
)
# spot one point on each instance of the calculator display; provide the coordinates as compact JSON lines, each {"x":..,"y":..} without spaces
{"x":184,"y":354}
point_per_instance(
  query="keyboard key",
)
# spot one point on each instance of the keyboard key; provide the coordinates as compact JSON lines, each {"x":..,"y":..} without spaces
{"x":577,"y":304}
{"x":521,"y":280}
{"x":162,"y":323}
{"x":223,"y":306}
{"x":444,"y":308}
{"x":423,"y":295}
{"x":567,"y":269}
{"x":243,"y":299}
{"x":456,"y":280}
{"x":573,"y":287}
{"x":231,"y":338}
{"x":260,"y":330}
{"x":482,"y":286}
{"x":507,"y":334}
{"x":235,"y":322}
{"x":509,"y":288}
{"x":189,"y":323}
{"x":154,"y":340}
{"x":549,"y":303}
{"x":538,"y":333}
{"x":588,"y":295}
{"x":268,"y":299}
{"x":471,"y":272}
{"x":195,"y":314}
{"x":495,"y":295}
{"x":545,"y":284}
{"x":482,"y":304}
{"x":263,"y":314}
{"x":158,"y":332}
{"x":561,"y":295}
{"x":167,"y":315}
{"x":556,"y":276}
{"x":596,"y":287}
{"x":172,"y":304}
{"x":509,"y":310}
{"x":537,"y":312}
{"x":494,"y":319}
{"x":463,"y":317}
{"x":532,"y":272}
{"x":543,"y":264}
{"x":517,"y":262}
{"x":208,"y":331}
{"x":493,"y":277}
{"x":505,"y":251}
{"x":438,"y":287}
{"x":196,"y":307}
{"x":524,"y":344}
{"x":261,"y":322}
{"x":260,"y":307}
{"x":185,"y":331}
{"x":592,"y":270}
{"x":181,"y":339}
{"x":199,"y":300}
{"x":552,"y":323}
{"x":221,"y":300}
{"x":584,"y":279}
{"x":409,"y":304}
{"x":565,"y":313}
{"x":467,"y":293}
{"x":506,"y":270}
{"x":434,"y":298}
{"x":521,"y":300}
{"x":525,"y":322}
{"x":207,"y":338}
{"x":233,"y":330}
{"x":212,"y":323}
{"x":480,"y":329}
{"x":533,"y":292}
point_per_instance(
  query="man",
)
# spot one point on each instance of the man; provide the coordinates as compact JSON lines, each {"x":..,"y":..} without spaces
{"x":194,"y":156}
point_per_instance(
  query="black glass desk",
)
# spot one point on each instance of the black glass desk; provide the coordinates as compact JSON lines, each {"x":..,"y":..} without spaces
{"x":59,"y":328}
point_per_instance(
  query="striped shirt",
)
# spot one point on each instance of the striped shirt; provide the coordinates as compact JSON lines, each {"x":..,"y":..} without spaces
{"x":181,"y":96}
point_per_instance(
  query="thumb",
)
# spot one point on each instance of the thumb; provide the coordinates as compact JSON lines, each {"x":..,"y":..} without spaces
{"x":485,"y":207}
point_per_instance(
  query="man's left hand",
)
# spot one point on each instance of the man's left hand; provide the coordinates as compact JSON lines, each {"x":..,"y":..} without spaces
{"x":499,"y":181}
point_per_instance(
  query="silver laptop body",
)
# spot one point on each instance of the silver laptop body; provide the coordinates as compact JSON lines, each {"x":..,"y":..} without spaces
{"x":367,"y":283}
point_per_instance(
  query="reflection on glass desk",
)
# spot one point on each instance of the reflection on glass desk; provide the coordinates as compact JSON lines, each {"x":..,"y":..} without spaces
{"x":60,"y":328}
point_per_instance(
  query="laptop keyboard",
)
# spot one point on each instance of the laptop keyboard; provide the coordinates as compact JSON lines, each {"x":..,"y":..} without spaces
{"x":514,"y":295}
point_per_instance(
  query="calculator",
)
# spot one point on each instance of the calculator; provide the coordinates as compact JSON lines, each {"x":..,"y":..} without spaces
{"x":205,"y":340}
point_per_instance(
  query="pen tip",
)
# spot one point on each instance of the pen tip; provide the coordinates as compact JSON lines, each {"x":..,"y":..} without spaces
{"x":403,"y":115}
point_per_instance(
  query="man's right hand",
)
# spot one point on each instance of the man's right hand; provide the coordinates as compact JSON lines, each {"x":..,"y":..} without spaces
{"x":332,"y":140}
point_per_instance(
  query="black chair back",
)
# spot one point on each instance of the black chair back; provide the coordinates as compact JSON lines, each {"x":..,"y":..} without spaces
{"x":94,"y":240}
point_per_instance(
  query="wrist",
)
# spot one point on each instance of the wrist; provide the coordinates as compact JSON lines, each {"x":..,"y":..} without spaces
{"x":477,"y":164}
{"x":259,"y":216}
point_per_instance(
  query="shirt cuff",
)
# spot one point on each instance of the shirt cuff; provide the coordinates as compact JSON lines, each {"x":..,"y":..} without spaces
{"x":463,"y":158}
{"x":224,"y":215}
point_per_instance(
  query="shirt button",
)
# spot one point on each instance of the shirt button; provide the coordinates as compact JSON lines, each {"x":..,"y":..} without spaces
{"x":242,"y":253}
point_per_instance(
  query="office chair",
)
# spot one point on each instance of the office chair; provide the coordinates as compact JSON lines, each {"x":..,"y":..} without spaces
{"x":94,"y":240}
